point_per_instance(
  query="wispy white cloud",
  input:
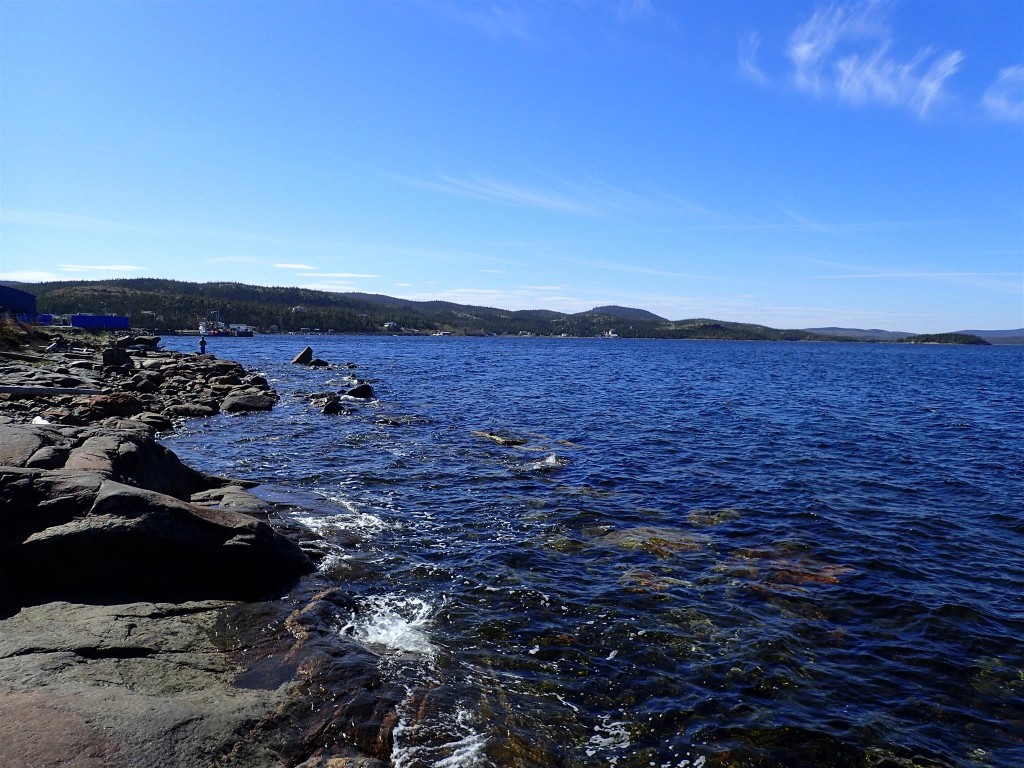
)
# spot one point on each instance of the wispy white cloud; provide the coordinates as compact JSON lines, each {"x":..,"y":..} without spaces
{"x":483,"y":188}
{"x":922,"y":274}
{"x":305,"y":267}
{"x":801,"y":222}
{"x":847,"y":51}
{"x":1004,"y":99}
{"x":638,"y":270}
{"x":590,"y":197}
{"x":102,"y":268}
{"x":747,"y":63}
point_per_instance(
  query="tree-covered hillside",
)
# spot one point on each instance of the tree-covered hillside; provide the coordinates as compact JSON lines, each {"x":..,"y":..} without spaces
{"x":166,"y":305}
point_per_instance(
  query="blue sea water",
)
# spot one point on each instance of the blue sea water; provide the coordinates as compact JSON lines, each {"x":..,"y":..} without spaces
{"x":701,"y":554}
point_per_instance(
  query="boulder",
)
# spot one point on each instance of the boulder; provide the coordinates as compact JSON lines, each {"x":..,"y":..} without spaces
{"x":121,"y":404}
{"x":305,"y":357}
{"x":191,"y":410}
{"x":319,"y":363}
{"x":117,"y":357}
{"x":18,"y":442}
{"x":333,"y":406}
{"x":361,"y":391}
{"x":131,"y":455}
{"x":125,"y":543}
{"x":247,"y":402}
{"x":48,"y":457}
{"x":157,"y":421}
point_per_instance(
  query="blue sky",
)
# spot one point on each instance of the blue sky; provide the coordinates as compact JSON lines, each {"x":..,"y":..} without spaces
{"x":795,"y":164}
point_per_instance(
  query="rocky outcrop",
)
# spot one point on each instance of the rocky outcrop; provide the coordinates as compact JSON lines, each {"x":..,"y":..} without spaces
{"x":74,"y":535}
{"x":170,"y":385}
{"x":107,"y":512}
{"x":193,"y":685}
{"x":123,"y":450}
{"x":151,"y":614}
{"x":305,"y":357}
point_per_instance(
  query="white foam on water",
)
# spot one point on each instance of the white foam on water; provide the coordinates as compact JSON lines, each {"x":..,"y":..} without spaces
{"x":363,"y":522}
{"x":393,"y":625}
{"x":608,"y":735}
{"x":549,"y":463}
{"x":455,"y":743}
{"x":332,"y":561}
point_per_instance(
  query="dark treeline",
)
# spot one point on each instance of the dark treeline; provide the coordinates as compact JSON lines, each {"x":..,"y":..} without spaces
{"x":174,"y":304}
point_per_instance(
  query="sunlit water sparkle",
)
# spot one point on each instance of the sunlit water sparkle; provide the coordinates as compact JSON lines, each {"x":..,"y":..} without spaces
{"x":704,"y":553}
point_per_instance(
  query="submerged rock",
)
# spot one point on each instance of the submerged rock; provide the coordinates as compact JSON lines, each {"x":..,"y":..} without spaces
{"x":501,"y":438}
{"x":660,"y":542}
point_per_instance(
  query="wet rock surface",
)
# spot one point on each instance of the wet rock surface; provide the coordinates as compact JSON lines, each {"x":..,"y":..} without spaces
{"x":152,"y":614}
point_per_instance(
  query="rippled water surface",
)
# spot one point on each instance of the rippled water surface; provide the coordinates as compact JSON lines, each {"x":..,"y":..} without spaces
{"x":702,"y":553}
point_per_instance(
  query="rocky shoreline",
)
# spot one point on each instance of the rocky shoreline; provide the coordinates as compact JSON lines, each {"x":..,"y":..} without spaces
{"x":152,"y":614}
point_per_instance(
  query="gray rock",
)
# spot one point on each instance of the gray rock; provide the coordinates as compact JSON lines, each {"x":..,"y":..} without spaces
{"x":157,"y":421}
{"x":361,"y":391}
{"x":120,"y":404}
{"x":117,"y":357}
{"x":158,"y":684}
{"x":126,"y":543}
{"x":18,"y":443}
{"x":48,"y":457}
{"x":305,"y":357}
{"x":247,"y":402}
{"x":192,"y":410}
{"x":132,"y":456}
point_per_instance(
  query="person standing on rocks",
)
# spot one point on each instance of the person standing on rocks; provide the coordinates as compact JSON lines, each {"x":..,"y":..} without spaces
{"x":202,"y":345}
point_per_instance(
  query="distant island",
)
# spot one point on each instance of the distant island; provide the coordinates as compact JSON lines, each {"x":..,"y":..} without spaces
{"x":167,"y":306}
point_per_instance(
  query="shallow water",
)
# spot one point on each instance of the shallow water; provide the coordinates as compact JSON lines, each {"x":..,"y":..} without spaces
{"x":702,"y":553}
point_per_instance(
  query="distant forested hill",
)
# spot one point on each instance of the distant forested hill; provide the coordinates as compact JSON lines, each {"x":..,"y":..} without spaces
{"x":175,"y":304}
{"x":944,"y":338}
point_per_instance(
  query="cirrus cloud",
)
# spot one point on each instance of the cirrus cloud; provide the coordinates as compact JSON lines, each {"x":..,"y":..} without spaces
{"x":1004,"y":99}
{"x":848,"y":52}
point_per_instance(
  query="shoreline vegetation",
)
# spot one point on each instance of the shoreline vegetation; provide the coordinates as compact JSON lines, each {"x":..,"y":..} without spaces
{"x":153,"y":614}
{"x":170,"y":306}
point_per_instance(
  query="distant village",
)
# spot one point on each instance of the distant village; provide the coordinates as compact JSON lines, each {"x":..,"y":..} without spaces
{"x":21,"y":306}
